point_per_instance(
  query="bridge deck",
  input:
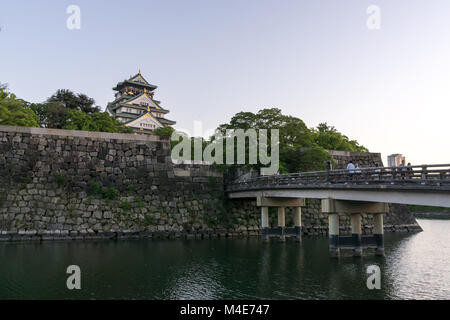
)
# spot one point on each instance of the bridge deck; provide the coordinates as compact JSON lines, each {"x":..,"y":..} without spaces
{"x":421,"y":185}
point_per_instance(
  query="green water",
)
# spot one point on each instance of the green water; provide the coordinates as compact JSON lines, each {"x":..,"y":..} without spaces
{"x":416,"y":266}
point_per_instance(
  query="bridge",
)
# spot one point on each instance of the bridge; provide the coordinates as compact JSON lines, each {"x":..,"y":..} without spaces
{"x":352,"y":192}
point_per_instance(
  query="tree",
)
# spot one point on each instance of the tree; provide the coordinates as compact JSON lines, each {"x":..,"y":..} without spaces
{"x":164,"y":131}
{"x":330,"y":139}
{"x":50,"y":114}
{"x":293,"y":131}
{"x":293,"y":135}
{"x":74,"y":101}
{"x":301,"y":149}
{"x":100,"y":122}
{"x":14,"y":112}
{"x":306,"y":159}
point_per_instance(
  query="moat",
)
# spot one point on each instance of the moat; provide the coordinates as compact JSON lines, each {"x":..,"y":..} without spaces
{"x":415,"y":267}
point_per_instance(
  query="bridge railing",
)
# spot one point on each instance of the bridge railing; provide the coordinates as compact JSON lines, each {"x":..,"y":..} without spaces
{"x":437,"y":174}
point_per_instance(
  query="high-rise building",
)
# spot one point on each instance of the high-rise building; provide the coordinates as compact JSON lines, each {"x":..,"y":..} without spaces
{"x":136,"y":107}
{"x":394,"y":160}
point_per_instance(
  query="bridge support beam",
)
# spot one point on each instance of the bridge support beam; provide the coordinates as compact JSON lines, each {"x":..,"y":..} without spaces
{"x":298,"y":223}
{"x":354,"y":209}
{"x":265,"y":223}
{"x":281,"y":203}
{"x":378,"y":233}
{"x":282,"y":222}
{"x":356,"y":234}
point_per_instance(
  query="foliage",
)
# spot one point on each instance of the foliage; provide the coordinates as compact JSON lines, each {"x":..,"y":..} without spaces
{"x":106,"y":193}
{"x":51,"y":115}
{"x":417,"y":208}
{"x":164,"y":131}
{"x":74,"y":101}
{"x":125,"y":205}
{"x":101,"y":122}
{"x":67,"y":110}
{"x":330,"y":139}
{"x":15,"y":112}
{"x":301,"y":149}
{"x":295,"y":138}
{"x":305,"y":159}
{"x":60,"y":179}
{"x":293,"y":131}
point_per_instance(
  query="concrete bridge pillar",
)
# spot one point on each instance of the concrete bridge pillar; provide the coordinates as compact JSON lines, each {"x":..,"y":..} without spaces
{"x":298,"y":223}
{"x":354,"y":209}
{"x":356,"y":234}
{"x":282,"y":222}
{"x":280,"y":203}
{"x":333,"y":234}
{"x":378,"y":233}
{"x":265,"y":223}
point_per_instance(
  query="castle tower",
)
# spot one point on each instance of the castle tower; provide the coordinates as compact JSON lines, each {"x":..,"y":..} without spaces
{"x":135,"y":107}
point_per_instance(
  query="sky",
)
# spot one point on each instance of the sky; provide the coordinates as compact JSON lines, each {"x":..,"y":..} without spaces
{"x":317,"y":60}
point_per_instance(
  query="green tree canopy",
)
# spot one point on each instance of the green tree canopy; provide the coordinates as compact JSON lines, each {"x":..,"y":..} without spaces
{"x":66,"y":110}
{"x":14,"y":112}
{"x":99,"y":121}
{"x":329,"y":138}
{"x":74,"y":101}
{"x":164,"y":131}
{"x":293,"y":131}
{"x":301,"y":149}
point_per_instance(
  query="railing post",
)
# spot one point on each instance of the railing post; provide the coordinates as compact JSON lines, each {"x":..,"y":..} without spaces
{"x":328,"y":170}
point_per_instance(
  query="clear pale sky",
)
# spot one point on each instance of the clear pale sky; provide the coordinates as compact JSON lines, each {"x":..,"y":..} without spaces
{"x":317,"y":60}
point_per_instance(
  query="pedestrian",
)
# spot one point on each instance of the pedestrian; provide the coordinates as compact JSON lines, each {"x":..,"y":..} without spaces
{"x":351,"y":169}
{"x":409,"y":170}
{"x":402,"y":169}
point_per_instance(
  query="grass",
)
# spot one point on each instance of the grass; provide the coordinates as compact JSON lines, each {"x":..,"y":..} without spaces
{"x":125,"y":205}
{"x":60,"y":180}
{"x":98,"y":190}
{"x":415,"y":208}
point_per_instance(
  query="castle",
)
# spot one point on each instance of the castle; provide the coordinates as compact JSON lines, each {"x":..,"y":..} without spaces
{"x":135,"y":107}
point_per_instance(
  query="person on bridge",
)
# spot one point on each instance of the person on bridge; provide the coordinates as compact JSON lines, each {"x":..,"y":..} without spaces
{"x":409,"y":171}
{"x":351,"y":169}
{"x":402,"y":169}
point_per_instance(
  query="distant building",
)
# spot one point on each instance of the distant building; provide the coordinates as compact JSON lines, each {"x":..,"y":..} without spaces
{"x":394,"y":160}
{"x":135,"y":107}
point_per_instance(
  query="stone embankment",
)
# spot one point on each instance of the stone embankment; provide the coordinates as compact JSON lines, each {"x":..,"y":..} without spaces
{"x":61,"y":184}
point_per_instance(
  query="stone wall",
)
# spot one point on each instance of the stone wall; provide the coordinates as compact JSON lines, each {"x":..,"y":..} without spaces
{"x":364,"y":159}
{"x":61,"y":184}
{"x":83,"y":185}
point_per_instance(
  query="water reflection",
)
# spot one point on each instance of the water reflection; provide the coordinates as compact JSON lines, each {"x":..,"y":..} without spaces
{"x":415,"y":267}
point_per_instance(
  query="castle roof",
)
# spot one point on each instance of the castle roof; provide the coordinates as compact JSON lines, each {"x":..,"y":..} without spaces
{"x":137,"y":80}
